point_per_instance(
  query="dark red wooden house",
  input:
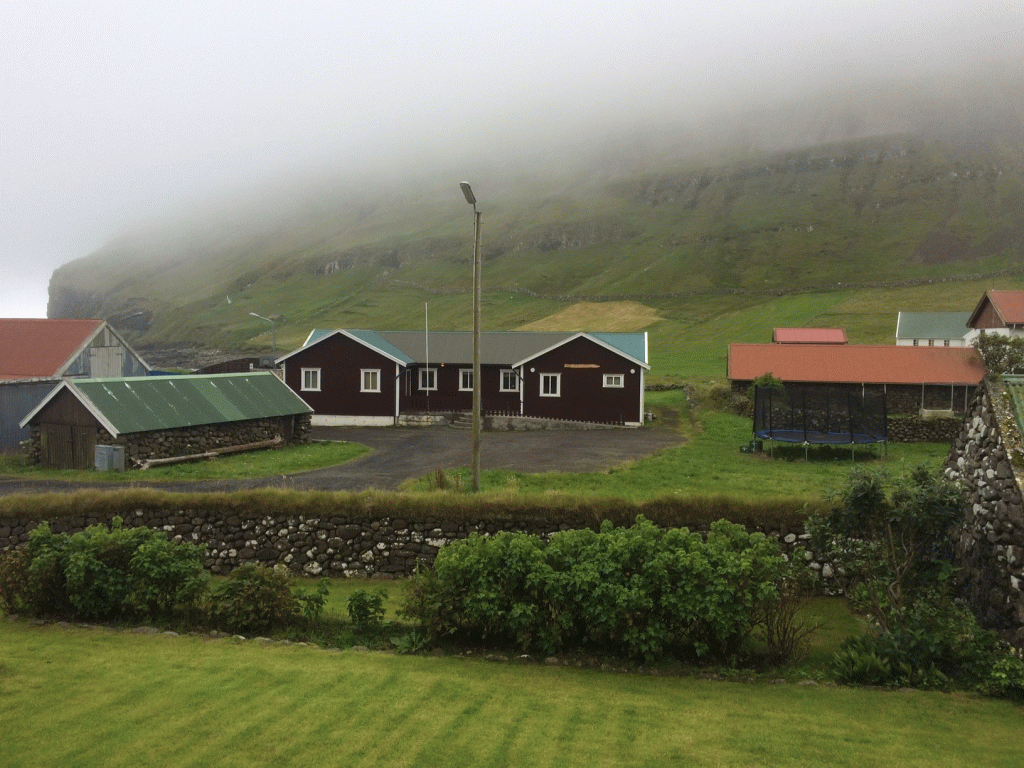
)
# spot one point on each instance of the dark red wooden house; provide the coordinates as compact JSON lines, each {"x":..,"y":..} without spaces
{"x":360,"y":377}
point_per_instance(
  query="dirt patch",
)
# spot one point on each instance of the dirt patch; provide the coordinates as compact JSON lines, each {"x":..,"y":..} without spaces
{"x":604,"y":316}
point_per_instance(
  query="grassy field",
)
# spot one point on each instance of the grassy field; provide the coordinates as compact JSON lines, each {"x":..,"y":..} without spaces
{"x":82,"y":697}
{"x":711,"y":463}
{"x":281,"y":461}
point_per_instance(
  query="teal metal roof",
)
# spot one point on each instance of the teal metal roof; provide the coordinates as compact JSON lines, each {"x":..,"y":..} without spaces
{"x":373,"y":339}
{"x":932,"y":325}
{"x":167,"y":402}
{"x":632,"y":344}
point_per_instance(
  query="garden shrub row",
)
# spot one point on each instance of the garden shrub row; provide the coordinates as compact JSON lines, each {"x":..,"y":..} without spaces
{"x":640,"y":591}
{"x":130,"y":574}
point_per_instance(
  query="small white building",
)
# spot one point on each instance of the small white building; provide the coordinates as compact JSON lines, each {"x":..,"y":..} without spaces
{"x":932,"y":329}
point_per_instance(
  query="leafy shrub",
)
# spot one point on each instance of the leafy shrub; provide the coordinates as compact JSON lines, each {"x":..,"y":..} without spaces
{"x":858,"y":662}
{"x":640,"y":591}
{"x":365,"y":609}
{"x":1001,"y":354}
{"x":14,"y":583}
{"x":413,"y":641}
{"x":312,"y":603}
{"x":890,"y":540}
{"x":786,"y":635}
{"x":1005,"y":677}
{"x":257,"y":599}
{"x":764,"y":380}
{"x":103,"y":573}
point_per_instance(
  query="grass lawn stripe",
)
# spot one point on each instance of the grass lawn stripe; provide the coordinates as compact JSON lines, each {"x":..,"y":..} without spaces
{"x":337,"y":689}
{"x":287,"y":706}
{"x":403,"y":706}
{"x":390,"y":699}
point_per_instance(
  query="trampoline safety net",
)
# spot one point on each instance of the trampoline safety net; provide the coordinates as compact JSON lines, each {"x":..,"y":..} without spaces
{"x":819,"y":416}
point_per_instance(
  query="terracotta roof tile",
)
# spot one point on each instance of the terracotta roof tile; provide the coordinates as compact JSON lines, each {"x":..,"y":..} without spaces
{"x":855,"y":363}
{"x":33,"y":348}
{"x":1009,"y":305}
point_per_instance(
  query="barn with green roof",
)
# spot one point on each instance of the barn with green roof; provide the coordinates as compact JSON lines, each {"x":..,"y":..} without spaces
{"x":161,"y":417}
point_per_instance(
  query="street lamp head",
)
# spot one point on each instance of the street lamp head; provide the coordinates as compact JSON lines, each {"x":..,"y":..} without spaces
{"x":468,"y":192}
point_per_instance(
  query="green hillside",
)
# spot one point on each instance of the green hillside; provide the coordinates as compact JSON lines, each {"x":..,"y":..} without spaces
{"x":712,"y":247}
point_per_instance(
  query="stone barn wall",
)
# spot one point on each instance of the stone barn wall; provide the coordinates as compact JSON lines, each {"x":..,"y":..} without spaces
{"x":185,"y":441}
{"x":987,"y":458}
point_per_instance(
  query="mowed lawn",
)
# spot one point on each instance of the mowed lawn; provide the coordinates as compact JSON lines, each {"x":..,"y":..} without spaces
{"x":710,"y":463}
{"x":82,"y":697}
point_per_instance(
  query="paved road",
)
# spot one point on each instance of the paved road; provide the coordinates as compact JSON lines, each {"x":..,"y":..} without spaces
{"x":399,"y":454}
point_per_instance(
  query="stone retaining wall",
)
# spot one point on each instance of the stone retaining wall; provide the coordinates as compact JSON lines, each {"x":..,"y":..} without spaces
{"x":990,"y":542}
{"x":342,"y":546}
{"x":185,"y":441}
{"x":914,"y":429}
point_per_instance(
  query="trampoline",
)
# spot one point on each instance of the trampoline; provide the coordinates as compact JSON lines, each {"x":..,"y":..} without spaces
{"x":819,"y":416}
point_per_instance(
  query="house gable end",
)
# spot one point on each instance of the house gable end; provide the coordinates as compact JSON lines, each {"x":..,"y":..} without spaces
{"x":591,"y":338}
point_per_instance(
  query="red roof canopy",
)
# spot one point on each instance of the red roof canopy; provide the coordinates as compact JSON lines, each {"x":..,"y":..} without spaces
{"x":855,"y":363}
{"x":809,"y":336}
{"x":32,"y":348}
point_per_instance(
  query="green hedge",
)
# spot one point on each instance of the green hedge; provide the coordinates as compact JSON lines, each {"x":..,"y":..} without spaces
{"x":669,"y":511}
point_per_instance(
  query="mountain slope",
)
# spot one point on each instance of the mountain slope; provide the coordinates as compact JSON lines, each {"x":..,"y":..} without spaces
{"x":656,"y":217}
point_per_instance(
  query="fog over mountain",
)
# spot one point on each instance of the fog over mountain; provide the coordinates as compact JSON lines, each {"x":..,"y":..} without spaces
{"x":124,"y":116}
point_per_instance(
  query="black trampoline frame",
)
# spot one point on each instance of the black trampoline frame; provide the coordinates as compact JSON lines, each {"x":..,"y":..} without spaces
{"x":863,"y":418}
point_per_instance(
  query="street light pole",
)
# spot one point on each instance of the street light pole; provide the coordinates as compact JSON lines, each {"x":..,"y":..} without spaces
{"x":471,"y":199}
{"x":273,"y":331}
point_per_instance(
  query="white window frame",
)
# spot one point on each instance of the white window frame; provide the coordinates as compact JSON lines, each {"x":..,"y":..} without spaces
{"x":425,"y":374}
{"x":556,"y":378}
{"x":310,"y":380}
{"x":616,"y":380}
{"x":506,"y":375}
{"x":464,"y":374}
{"x":372,"y":373}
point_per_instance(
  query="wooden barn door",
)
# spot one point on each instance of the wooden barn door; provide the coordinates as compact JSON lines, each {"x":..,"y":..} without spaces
{"x":68,"y":446}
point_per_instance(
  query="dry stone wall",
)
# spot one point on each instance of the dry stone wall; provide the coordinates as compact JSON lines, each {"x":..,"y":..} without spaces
{"x":914,"y":429}
{"x":986,"y":457}
{"x":344,"y":545}
{"x":185,"y":441}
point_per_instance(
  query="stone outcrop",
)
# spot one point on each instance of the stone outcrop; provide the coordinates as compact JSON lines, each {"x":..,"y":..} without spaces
{"x":986,"y":457}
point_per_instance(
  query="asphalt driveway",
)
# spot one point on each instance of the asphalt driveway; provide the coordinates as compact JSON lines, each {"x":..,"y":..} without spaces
{"x":399,"y":454}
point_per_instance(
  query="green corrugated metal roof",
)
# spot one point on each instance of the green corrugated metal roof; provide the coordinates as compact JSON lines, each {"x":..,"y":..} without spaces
{"x":932,"y":325}
{"x":167,"y":402}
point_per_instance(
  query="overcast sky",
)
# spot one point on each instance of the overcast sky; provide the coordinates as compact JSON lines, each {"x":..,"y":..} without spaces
{"x":115,"y":112}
